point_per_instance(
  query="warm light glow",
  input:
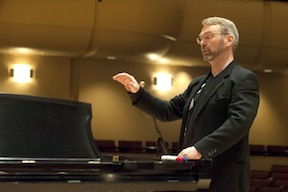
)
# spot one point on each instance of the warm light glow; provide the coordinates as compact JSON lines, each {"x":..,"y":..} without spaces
{"x":153,"y":56}
{"x":157,"y":58}
{"x":268,"y":70}
{"x":163,"y":61}
{"x":163,"y":81}
{"x":170,"y":37}
{"x":23,"y":50}
{"x":21,"y":73}
{"x":111,"y":57}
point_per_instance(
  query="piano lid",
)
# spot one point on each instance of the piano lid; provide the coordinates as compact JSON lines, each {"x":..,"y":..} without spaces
{"x":37,"y":127}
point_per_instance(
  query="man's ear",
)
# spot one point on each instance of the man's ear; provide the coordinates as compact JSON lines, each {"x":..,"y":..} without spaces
{"x":229,"y":40}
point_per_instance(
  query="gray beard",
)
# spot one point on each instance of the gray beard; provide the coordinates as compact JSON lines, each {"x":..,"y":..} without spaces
{"x":215,"y":54}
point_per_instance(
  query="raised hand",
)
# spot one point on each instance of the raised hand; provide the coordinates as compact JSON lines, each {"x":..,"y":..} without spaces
{"x":129,"y":82}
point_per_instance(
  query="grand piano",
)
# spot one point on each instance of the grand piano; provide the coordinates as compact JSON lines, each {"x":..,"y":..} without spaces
{"x":46,"y":145}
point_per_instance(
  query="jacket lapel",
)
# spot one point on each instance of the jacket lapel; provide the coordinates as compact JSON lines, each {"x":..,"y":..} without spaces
{"x":216,"y":84}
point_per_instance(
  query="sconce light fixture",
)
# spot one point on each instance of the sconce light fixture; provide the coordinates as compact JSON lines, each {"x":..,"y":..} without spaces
{"x":163,"y":81}
{"x":21,"y":73}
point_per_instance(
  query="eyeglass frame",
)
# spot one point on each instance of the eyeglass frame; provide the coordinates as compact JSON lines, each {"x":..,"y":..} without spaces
{"x":207,"y":37}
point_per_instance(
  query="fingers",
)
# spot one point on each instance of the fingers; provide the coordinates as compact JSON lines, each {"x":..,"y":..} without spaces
{"x":134,"y":87}
{"x":128,"y":81}
{"x":121,"y":77}
{"x":190,"y":153}
{"x":181,"y":154}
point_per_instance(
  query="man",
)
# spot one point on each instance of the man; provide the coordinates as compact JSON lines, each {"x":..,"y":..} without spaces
{"x":217,"y":109}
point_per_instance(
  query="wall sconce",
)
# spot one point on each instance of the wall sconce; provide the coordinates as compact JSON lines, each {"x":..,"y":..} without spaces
{"x":163,"y":81}
{"x":21,"y":73}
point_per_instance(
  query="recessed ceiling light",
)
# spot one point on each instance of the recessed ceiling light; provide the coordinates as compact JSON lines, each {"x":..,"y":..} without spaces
{"x":111,"y":57}
{"x":153,"y":56}
{"x":267,"y":70}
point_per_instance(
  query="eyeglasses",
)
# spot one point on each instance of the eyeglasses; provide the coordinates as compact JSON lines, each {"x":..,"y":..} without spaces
{"x":207,"y":37}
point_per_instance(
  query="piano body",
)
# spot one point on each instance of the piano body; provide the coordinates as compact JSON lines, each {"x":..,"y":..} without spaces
{"x":46,"y":145}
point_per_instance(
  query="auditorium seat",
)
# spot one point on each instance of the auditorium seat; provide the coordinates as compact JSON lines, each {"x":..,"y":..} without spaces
{"x":260,"y":174}
{"x":277,"y":175}
{"x":125,"y":146}
{"x":106,"y":145}
{"x":154,"y":146}
{"x":269,"y":189}
{"x":260,"y":182}
{"x":253,"y":189}
{"x":279,"y":169}
{"x":277,"y":150}
{"x":258,"y":150}
{"x":282,"y":183}
{"x":151,"y":146}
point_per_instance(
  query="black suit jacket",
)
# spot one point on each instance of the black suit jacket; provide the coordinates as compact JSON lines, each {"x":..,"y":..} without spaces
{"x":219,"y":125}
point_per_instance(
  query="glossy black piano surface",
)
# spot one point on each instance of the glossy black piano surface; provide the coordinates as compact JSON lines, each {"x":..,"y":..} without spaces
{"x":37,"y":127}
{"x":85,"y":170}
{"x":46,"y":140}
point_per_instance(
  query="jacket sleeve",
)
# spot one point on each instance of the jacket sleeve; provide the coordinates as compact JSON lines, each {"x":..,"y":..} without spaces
{"x":158,"y":108}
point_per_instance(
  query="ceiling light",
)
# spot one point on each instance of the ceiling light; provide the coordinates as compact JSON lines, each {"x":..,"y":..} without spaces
{"x":153,"y":56}
{"x":111,"y":57}
{"x":267,"y":70}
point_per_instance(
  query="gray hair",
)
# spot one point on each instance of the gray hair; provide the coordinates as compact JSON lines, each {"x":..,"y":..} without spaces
{"x":227,"y":28}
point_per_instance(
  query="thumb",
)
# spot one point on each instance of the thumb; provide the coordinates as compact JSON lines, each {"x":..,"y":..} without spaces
{"x":134,"y":87}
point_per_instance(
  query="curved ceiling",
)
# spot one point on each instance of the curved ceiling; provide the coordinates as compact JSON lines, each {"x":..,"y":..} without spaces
{"x":129,"y":30}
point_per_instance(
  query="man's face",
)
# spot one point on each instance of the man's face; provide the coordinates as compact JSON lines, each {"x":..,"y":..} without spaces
{"x":211,"y":41}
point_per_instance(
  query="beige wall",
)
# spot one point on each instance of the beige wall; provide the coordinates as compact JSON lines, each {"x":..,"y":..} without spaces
{"x":271,"y":124}
{"x":51,"y":76}
{"x":113,"y":115}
